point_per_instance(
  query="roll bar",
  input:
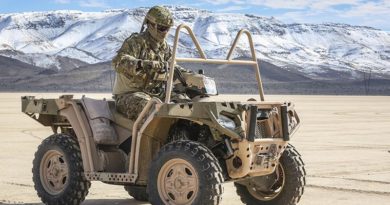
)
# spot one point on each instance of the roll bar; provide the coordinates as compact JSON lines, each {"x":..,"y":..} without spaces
{"x":204,"y":59}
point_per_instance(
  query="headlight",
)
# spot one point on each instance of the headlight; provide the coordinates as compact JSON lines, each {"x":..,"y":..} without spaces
{"x":210,"y":86}
{"x":226,"y":122}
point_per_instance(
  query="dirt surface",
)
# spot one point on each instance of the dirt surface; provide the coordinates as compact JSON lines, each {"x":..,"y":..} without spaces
{"x":344,"y":140}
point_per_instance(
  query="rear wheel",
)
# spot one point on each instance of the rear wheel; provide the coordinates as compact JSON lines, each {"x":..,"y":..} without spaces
{"x":58,"y":173}
{"x":284,"y":187}
{"x":185,"y":172}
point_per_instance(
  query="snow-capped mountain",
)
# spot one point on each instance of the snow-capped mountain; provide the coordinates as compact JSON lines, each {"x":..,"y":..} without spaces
{"x":41,"y":38}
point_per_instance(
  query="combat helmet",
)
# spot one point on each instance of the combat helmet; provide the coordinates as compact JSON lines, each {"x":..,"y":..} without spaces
{"x":159,"y":20}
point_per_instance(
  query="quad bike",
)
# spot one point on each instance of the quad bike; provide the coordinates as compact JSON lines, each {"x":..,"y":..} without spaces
{"x":174,"y":152}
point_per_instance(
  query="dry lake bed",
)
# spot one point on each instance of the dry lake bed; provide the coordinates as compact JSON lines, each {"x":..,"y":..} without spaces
{"x":344,"y":141}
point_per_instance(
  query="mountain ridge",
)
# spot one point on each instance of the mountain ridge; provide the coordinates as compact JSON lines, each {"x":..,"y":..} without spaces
{"x":315,"y":50}
{"x":62,"y":46}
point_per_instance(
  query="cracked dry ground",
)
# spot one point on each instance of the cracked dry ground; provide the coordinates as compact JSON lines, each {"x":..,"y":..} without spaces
{"x":344,"y":141}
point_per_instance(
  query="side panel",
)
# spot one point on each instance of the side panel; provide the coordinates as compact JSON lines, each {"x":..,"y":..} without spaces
{"x":153,"y":138}
{"x":204,"y":113}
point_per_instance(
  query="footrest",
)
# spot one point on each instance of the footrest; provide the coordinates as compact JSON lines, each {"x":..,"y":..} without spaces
{"x":110,"y":177}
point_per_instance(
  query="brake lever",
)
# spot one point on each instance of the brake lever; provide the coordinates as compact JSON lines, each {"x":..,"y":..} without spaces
{"x":178,"y":75}
{"x":166,"y":66}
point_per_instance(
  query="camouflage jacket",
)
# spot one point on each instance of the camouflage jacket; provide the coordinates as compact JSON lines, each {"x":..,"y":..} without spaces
{"x":131,"y":73}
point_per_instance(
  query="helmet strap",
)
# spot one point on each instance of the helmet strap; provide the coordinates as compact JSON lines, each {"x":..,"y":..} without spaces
{"x":143,"y":26}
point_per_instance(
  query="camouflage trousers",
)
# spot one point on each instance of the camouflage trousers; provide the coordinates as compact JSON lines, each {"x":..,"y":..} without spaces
{"x":131,"y":104}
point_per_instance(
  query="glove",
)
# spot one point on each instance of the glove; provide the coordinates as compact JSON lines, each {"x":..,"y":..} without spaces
{"x":156,"y":66}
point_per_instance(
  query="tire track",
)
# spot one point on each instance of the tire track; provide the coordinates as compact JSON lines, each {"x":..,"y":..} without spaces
{"x":349,"y":172}
{"x":18,"y":184}
{"x":355,"y":185}
{"x":350,"y":179}
{"x":29,"y":133}
{"x":383,"y":193}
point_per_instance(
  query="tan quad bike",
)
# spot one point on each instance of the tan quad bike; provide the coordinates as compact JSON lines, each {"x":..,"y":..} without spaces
{"x":174,"y":152}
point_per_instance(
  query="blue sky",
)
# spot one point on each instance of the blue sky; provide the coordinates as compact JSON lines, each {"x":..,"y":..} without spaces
{"x":375,"y":13}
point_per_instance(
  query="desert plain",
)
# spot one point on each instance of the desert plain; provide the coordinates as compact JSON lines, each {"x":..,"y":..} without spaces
{"x":344,"y":141}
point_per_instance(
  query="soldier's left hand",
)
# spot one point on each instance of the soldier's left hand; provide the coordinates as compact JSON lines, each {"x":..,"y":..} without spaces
{"x":156,"y":66}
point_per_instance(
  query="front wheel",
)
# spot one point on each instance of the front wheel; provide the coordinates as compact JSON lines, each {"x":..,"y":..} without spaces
{"x":185,"y":172}
{"x":58,"y":173}
{"x":284,"y":187}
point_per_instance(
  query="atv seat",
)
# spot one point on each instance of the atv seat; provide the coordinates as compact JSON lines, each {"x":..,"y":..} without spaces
{"x":119,"y":118}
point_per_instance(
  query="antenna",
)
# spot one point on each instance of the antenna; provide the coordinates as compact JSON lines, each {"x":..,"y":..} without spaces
{"x":367,"y":79}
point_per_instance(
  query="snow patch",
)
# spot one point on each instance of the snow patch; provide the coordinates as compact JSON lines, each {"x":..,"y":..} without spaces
{"x":95,"y":37}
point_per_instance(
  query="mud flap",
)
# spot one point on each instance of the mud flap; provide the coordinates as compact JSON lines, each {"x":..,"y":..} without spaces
{"x":100,"y":119}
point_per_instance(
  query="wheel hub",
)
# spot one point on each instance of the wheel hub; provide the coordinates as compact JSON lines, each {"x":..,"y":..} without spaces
{"x":178,"y":182}
{"x":258,"y":192}
{"x":53,"y":172}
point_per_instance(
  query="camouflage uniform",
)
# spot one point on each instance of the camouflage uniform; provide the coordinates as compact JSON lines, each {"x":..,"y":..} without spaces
{"x":135,"y":79}
{"x":139,"y":62}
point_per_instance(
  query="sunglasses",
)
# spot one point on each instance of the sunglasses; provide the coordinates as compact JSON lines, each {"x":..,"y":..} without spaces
{"x":162,"y":28}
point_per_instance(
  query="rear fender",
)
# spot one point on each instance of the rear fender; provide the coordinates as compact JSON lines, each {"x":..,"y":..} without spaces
{"x":76,"y":117}
{"x":65,"y":112}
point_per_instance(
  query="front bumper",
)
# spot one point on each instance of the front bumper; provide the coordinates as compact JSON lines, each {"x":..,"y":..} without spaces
{"x":269,"y":131}
{"x":256,"y":158}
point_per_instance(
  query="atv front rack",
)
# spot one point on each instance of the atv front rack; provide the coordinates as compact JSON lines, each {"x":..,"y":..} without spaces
{"x":204,"y":59}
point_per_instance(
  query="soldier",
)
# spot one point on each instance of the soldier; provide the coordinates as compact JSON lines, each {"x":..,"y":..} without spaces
{"x":139,"y":63}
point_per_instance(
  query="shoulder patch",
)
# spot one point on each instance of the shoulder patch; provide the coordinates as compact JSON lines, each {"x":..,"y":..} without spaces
{"x":136,"y":37}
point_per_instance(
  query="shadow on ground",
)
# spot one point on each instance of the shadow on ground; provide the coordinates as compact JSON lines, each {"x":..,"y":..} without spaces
{"x":91,"y":202}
